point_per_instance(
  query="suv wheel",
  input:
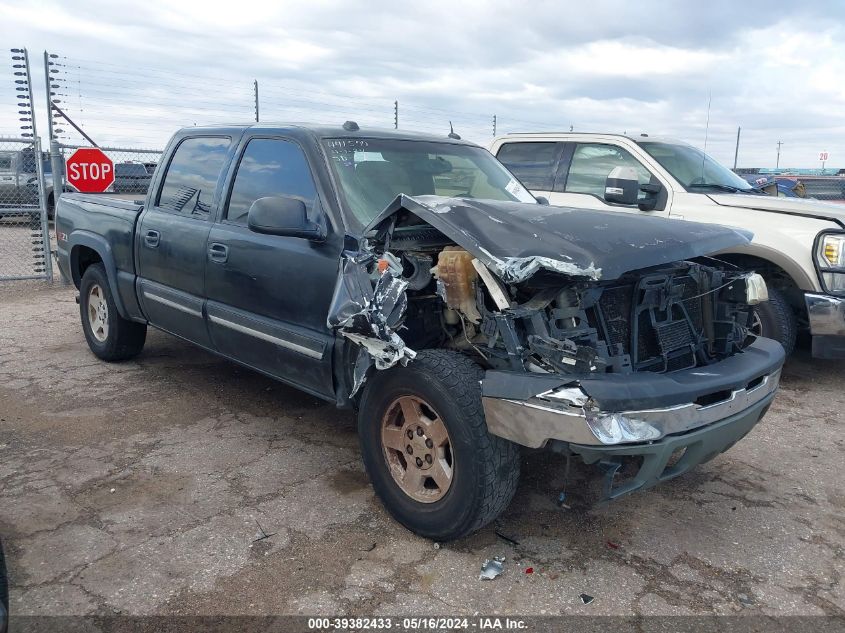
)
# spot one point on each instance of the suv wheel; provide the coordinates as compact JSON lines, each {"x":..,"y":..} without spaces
{"x":427,"y":450}
{"x":110,"y":336}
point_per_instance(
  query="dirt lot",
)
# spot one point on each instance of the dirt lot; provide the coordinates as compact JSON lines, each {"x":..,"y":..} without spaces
{"x":140,"y":487}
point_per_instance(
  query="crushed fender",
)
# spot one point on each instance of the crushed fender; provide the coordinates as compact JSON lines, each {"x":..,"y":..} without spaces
{"x":369,"y":314}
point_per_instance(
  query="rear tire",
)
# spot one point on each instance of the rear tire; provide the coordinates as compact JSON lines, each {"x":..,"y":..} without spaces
{"x":484,"y":469}
{"x":109,"y":335}
{"x":776,"y":320}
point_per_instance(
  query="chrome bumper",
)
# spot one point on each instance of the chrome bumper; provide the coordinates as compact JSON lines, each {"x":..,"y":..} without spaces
{"x":562,"y":414}
{"x":826,"y":314}
{"x":827,"y":324}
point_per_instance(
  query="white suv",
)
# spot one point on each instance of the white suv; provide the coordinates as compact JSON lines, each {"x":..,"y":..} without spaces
{"x":798,"y":245}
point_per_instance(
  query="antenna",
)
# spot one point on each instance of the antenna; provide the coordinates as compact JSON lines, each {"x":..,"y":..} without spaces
{"x":452,"y":134}
{"x":706,"y":133}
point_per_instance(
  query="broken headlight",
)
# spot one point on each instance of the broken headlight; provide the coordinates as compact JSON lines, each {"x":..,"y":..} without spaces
{"x":616,"y":428}
{"x":830,"y":258}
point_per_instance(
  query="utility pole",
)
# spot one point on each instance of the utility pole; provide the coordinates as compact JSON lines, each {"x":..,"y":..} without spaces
{"x":396,"y":115}
{"x":494,"y":125}
{"x":777,"y":162}
{"x":736,"y":153}
{"x":255,"y":83}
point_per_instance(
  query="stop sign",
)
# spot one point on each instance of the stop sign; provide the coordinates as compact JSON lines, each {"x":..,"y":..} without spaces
{"x":90,"y":170}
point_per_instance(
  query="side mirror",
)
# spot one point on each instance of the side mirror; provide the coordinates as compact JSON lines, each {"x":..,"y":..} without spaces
{"x":622,"y":186}
{"x":542,"y":200}
{"x":656,"y":195}
{"x":283,"y":215}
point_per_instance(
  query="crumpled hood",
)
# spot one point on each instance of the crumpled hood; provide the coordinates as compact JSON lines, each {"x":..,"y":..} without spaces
{"x":794,"y":206}
{"x":516,"y":239}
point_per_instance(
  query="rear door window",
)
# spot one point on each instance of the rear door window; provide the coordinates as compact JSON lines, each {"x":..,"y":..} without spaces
{"x":192,"y":176}
{"x":533,"y":163}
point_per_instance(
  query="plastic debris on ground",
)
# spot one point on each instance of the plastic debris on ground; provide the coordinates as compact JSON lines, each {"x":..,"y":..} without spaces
{"x":529,"y":570}
{"x":586,"y":598}
{"x":492,"y":568}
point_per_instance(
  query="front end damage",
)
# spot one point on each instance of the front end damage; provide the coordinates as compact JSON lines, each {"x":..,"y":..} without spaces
{"x":609,"y":346}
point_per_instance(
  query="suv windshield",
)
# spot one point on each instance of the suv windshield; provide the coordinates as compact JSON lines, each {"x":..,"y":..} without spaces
{"x":372,"y":172}
{"x":694,"y":169}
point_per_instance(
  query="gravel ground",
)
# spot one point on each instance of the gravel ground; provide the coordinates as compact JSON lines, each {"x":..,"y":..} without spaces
{"x":139,"y":488}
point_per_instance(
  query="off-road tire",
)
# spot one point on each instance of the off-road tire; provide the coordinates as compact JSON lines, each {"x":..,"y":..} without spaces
{"x":777,"y":320}
{"x":125,"y":338}
{"x":486,"y":467}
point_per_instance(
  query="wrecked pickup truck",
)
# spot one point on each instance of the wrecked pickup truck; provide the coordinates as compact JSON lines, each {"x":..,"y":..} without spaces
{"x":414,"y":279}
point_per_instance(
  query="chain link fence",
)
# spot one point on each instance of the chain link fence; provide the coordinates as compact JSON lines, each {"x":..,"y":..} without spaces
{"x":24,"y":237}
{"x":133,"y":169}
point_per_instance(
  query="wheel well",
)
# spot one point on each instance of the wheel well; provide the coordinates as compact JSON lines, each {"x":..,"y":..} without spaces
{"x":80,"y":259}
{"x":775,"y":276}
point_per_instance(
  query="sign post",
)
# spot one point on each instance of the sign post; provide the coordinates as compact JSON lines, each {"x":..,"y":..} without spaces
{"x":823,"y":157}
{"x":89,"y":170}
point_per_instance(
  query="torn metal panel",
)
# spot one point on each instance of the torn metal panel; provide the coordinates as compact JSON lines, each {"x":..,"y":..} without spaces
{"x":385,"y":353}
{"x":518,"y":269}
{"x":517,"y":240}
{"x":369,"y":314}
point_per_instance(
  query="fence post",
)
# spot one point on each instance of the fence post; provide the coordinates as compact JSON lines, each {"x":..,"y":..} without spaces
{"x":57,"y":167}
{"x":45,"y":225}
{"x":47,"y":96}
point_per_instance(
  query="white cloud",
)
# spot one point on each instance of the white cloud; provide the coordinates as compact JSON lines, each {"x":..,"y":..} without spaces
{"x":135,"y":72}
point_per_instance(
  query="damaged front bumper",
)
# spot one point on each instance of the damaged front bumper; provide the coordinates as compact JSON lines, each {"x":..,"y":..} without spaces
{"x":671,"y":456}
{"x":644,"y":414}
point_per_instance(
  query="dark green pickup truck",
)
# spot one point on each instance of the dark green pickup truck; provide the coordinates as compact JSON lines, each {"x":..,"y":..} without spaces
{"x":414,"y":280}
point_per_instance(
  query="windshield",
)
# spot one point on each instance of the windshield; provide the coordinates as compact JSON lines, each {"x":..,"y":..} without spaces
{"x":694,"y":169}
{"x":372,"y":172}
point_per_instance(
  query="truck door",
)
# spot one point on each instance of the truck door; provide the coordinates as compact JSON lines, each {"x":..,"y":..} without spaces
{"x":172,"y":237}
{"x":580,"y":179}
{"x":268,"y":295}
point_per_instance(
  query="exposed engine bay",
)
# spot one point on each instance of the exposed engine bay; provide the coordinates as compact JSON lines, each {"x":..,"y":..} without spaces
{"x":412,"y":287}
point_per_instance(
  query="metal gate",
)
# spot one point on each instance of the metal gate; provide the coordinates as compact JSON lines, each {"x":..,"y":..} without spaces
{"x":24,"y":232}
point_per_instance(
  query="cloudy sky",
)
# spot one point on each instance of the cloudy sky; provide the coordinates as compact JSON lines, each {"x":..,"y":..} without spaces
{"x":130,"y":73}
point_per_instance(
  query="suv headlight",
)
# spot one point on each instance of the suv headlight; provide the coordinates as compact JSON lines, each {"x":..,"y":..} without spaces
{"x":830,"y":259}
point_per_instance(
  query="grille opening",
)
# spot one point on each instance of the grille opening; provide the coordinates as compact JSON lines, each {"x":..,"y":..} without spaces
{"x":755,"y":383}
{"x":713,"y":398}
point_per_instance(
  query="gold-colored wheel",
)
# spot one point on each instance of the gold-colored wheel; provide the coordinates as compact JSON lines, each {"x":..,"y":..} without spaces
{"x":417,"y":449}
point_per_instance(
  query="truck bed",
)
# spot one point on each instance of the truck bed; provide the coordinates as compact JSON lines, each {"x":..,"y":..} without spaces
{"x":98,"y":220}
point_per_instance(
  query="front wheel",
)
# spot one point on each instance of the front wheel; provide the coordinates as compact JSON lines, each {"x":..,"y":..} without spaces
{"x":775,"y":319}
{"x":426,"y":447}
{"x":109,"y":335}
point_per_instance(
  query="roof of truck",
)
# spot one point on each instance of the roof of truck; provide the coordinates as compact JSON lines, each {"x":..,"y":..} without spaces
{"x":636,"y":138}
{"x":330,"y":131}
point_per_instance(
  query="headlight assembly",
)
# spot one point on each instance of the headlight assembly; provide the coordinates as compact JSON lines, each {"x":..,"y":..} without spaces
{"x":830,"y":260}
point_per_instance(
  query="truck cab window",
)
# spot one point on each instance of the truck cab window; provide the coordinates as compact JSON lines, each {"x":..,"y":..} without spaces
{"x":192,"y":175}
{"x":270,"y":167}
{"x":591,"y":164}
{"x":533,"y":163}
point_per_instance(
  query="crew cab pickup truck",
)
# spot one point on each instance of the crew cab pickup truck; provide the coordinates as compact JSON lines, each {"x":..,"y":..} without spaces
{"x":414,"y":280}
{"x":798,"y":245}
